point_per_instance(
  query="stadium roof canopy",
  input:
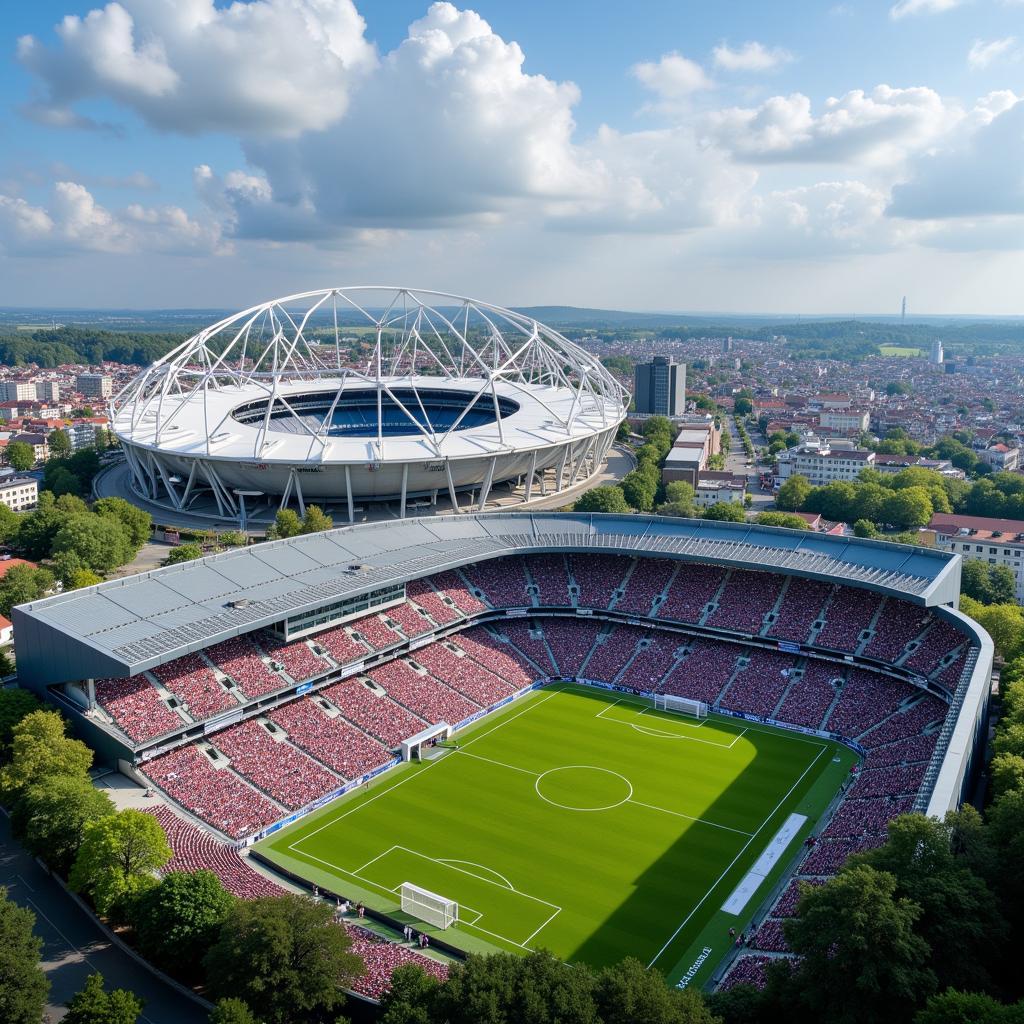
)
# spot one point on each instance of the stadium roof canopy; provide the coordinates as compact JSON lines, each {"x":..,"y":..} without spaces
{"x":125,"y":626}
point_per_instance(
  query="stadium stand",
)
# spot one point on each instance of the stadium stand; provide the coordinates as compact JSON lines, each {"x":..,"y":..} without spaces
{"x":377,"y":715}
{"x":898,"y":624}
{"x":463,"y":674}
{"x":807,"y":703}
{"x":191,"y":680}
{"x":552,"y":579}
{"x":502,"y":581}
{"x":704,"y":671}
{"x":240,"y":659}
{"x":376,"y":632}
{"x":450,"y":584}
{"x":297,"y":657}
{"x":647,"y":580}
{"x":848,"y":614}
{"x":342,"y":647}
{"x":502,"y":659}
{"x":431,"y":602}
{"x":422,"y":694}
{"x":410,"y":620}
{"x":612,"y":651}
{"x":693,"y":588}
{"x":759,"y":687}
{"x":332,"y":741}
{"x":136,"y":707}
{"x":800,"y":608}
{"x":570,"y":643}
{"x":534,"y":647}
{"x":746,"y":599}
{"x":866,"y":699}
{"x":598,"y":577}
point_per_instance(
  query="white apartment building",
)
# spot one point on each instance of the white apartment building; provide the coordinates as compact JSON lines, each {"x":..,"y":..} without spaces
{"x":979,"y":538}
{"x":844,"y":419}
{"x":823,"y":464}
{"x":17,"y":391}
{"x":19,"y":493}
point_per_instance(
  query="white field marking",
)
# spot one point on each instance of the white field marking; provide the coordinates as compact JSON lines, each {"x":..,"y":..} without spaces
{"x":567,"y":807}
{"x":500,"y":764}
{"x":473,"y":863}
{"x":532,"y":935}
{"x":412,"y":775}
{"x":664,"y":734}
{"x":689,"y":817}
{"x":743,"y":848}
{"x":462,"y":910}
{"x":681,"y":721}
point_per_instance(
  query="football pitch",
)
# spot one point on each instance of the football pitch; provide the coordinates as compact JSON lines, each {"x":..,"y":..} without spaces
{"x":585,"y":822}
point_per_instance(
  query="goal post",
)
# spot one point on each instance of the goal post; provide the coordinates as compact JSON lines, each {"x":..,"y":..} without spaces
{"x":680,"y":705}
{"x":428,"y":906}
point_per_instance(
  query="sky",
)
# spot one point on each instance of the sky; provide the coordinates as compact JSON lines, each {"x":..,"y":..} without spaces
{"x":809,"y":157}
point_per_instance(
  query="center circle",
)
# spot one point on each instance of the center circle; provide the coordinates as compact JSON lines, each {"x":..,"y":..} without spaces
{"x":583,"y":787}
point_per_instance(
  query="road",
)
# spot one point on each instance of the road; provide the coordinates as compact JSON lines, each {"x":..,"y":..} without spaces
{"x":736,"y":463}
{"x":74,"y":948}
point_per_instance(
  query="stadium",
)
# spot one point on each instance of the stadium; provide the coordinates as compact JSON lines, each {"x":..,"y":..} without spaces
{"x":601,"y":735}
{"x":349,"y":395}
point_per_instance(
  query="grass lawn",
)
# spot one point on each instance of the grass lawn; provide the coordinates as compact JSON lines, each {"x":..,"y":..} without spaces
{"x":899,"y":350}
{"x":584,"y":822}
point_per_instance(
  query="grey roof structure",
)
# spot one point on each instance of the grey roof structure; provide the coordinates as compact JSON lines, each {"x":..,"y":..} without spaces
{"x":126,"y":626}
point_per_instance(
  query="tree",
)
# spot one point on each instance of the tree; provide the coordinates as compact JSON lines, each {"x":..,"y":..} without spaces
{"x":729,"y":511}
{"x":100,"y":542}
{"x":183,"y":553}
{"x":117,"y":858}
{"x":679,"y":494}
{"x":960,"y":917}
{"x":286,"y":524}
{"x":23,"y":583}
{"x":60,"y":480}
{"x":178,"y":919}
{"x":862,"y":961}
{"x":40,"y":749}
{"x":283,"y":954}
{"x":51,"y":815}
{"x":93,"y":1005}
{"x":23,"y":986}
{"x":789,"y":520}
{"x":58,"y":443}
{"x":39,"y":527}
{"x":410,"y":998}
{"x":1006,"y":772}
{"x":508,"y":989}
{"x":907,"y":509}
{"x":21,"y":455}
{"x":232,"y":539}
{"x":9,"y":523}
{"x":628,"y":993}
{"x":15,"y":705}
{"x":235,"y":1011}
{"x":137,"y":524}
{"x":608,"y":498}
{"x":989,"y":584}
{"x":315,"y":521}
{"x":1005,"y":624}
{"x":793,"y":493}
{"x":639,"y":489}
{"x":953,"y":1007}
{"x":865,"y":528}
{"x":622,"y":433}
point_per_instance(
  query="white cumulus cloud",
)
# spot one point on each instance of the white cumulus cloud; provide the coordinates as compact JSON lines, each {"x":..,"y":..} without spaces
{"x":672,"y":76}
{"x":908,"y":7}
{"x":751,"y":56}
{"x":275,"y":67}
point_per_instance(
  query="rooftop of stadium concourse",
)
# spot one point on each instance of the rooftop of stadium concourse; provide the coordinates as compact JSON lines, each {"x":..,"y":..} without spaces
{"x":122,"y":627}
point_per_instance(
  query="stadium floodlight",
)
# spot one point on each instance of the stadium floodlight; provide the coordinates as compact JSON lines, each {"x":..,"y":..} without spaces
{"x":428,"y":906}
{"x":370,"y":393}
{"x":680,"y":705}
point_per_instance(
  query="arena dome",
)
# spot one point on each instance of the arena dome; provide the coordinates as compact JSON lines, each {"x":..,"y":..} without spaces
{"x":370,"y":393}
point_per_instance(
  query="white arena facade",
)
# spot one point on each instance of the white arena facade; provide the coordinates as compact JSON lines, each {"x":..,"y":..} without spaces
{"x":344,"y":396}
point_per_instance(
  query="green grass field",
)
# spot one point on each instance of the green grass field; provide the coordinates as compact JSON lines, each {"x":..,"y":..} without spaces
{"x":899,"y":350}
{"x":580,"y":821}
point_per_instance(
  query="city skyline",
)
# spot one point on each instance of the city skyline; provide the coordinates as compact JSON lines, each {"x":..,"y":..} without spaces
{"x":670,"y":157}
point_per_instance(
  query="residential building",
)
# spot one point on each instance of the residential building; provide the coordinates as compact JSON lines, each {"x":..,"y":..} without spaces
{"x":844,"y":420}
{"x":94,"y":385}
{"x":47,"y":390}
{"x":822,"y":463}
{"x":715,"y":487}
{"x":37,"y":441}
{"x":660,"y":387}
{"x":19,"y":493}
{"x":1001,"y":457}
{"x":17,"y":391}
{"x":980,"y":538}
{"x":10,"y":411}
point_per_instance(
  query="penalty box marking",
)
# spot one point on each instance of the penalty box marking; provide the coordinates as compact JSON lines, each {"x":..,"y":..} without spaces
{"x":452,"y":865}
{"x":650,"y":730}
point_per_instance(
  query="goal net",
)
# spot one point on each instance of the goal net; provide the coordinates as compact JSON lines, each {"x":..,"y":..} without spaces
{"x":681,"y":705}
{"x":428,"y":906}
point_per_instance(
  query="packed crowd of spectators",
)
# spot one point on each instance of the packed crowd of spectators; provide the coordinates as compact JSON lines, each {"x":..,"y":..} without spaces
{"x":332,"y":741}
{"x":898,"y":623}
{"x":136,"y":707}
{"x":527,"y":638}
{"x":376,"y":632}
{"x":801,"y":606}
{"x":428,"y":599}
{"x":613,"y":651}
{"x":691,"y":591}
{"x":422,"y":694}
{"x":552,"y":579}
{"x":501,"y":658}
{"x":502,"y":581}
{"x":906,"y":722}
{"x":645,"y":583}
{"x":411,"y":621}
{"x":284,"y":772}
{"x":297,"y":657}
{"x":598,"y":577}
{"x":848,"y":614}
{"x":746,"y":599}
{"x":375,"y":714}
{"x":570,"y":641}
{"x":341,"y":646}
{"x":241,"y":659}
{"x":703,"y":672}
{"x":759,"y":687}
{"x":381,"y":956}
{"x":807,"y":703}
{"x":463,"y":674}
{"x":217,"y":795}
{"x":451,"y":584}
{"x":652,"y":663}
{"x":941,"y":640}
{"x":193,"y":682}
{"x":866,"y":699}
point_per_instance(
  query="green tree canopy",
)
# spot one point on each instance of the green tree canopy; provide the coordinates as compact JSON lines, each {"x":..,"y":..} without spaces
{"x":989,"y":584}
{"x":607,"y":498}
{"x":51,"y":815}
{"x":728,"y":511}
{"x":58,"y":443}
{"x":94,"y":1005}
{"x":137,"y":523}
{"x":23,"y":986}
{"x":286,"y":524}
{"x":117,"y":857}
{"x":178,"y":919}
{"x":20,"y":455}
{"x":789,"y":520}
{"x":628,"y":993}
{"x":908,"y":509}
{"x":863,"y":962}
{"x":410,"y":998}
{"x":100,"y":542}
{"x":23,"y":583}
{"x":315,"y":520}
{"x":793,"y":493}
{"x":953,"y":1007}
{"x":285,"y":955}
{"x":40,"y":749}
{"x":640,"y":488}
{"x":183,"y":553}
{"x":234,"y":1011}
{"x":15,"y":704}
